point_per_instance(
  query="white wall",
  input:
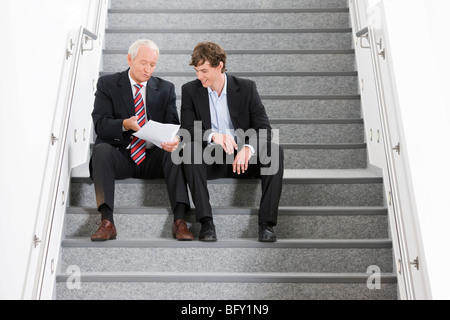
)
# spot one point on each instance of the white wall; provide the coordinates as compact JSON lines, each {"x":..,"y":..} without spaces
{"x":34,"y":36}
{"x":420,"y":48}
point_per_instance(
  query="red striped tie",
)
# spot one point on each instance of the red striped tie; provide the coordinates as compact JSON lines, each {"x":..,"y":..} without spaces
{"x":138,"y":145}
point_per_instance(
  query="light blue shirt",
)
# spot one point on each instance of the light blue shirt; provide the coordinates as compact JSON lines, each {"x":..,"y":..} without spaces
{"x":220,"y":114}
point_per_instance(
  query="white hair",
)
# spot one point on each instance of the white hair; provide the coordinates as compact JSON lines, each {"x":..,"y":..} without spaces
{"x":134,"y":48}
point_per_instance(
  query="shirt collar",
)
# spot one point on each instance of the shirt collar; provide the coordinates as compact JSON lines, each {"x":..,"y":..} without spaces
{"x":144,"y":84}
{"x":225,"y":87}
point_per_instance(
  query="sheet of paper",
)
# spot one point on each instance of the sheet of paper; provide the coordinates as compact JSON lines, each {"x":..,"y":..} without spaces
{"x":157,"y":133}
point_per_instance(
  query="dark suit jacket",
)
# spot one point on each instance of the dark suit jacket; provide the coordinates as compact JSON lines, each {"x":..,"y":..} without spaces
{"x":114,"y":103}
{"x":246,"y":108}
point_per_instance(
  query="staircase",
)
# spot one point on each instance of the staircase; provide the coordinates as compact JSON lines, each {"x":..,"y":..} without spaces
{"x":333,"y":223}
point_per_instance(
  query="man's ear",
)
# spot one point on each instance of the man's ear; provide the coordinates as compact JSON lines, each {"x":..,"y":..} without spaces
{"x":129,"y":60}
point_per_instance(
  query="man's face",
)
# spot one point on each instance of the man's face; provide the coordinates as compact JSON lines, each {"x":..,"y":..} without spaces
{"x":209,"y":76}
{"x":143,"y":65}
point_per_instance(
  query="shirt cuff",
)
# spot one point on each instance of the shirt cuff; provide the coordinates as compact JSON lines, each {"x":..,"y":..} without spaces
{"x":251,"y":148}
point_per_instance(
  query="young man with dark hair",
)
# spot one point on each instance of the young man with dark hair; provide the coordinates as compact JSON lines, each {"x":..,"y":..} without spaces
{"x":234,"y":124}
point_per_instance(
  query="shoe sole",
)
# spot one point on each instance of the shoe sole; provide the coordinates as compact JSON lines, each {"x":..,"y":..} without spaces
{"x":261,"y":240}
{"x":187,"y":239}
{"x":102,"y":240}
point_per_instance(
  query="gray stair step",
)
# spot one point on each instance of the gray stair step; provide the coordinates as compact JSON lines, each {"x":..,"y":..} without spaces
{"x":319,"y":256}
{"x":230,"y":4}
{"x":106,"y":287}
{"x":186,"y":39}
{"x":304,"y":86}
{"x":321,"y":155}
{"x":316,"y":84}
{"x":255,"y":62}
{"x":223,"y":277}
{"x":312,"y":109}
{"x":318,"y":131}
{"x":324,"y":132}
{"x":293,"y":85}
{"x":325,"y":156}
{"x":345,"y":190}
{"x":226,"y":19}
{"x":293,"y":223}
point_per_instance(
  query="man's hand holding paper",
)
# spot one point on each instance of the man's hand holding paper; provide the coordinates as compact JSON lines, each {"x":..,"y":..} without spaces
{"x":161,"y":135}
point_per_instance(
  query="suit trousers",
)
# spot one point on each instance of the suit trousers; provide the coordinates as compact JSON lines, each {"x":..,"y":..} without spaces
{"x":197,"y":175}
{"x":109,"y":164}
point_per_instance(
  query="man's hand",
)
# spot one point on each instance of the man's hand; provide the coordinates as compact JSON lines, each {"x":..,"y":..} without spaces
{"x":226,"y":141}
{"x":240,"y":164}
{"x":171,"y":146}
{"x":131,"y":124}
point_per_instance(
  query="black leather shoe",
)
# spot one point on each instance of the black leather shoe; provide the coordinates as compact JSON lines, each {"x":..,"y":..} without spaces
{"x":208,"y":232}
{"x":266,"y":233}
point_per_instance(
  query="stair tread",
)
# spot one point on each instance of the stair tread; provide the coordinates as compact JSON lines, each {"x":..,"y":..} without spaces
{"x":227,"y":277}
{"x":290,"y":175}
{"x":194,"y":11}
{"x":243,"y":51}
{"x":241,"y":4}
{"x":242,"y":210}
{"x":202,"y":31}
{"x":228,"y":243}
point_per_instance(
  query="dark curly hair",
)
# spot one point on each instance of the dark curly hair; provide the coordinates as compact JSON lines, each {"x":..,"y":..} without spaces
{"x":211,"y":52}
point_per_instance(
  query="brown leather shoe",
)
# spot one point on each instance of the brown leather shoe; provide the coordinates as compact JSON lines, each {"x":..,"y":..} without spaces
{"x":181,"y":232}
{"x":106,"y":231}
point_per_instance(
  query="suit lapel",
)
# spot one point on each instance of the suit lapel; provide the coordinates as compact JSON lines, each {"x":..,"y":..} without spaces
{"x":152,"y":96}
{"x":126,"y":93}
{"x":203,"y":103}
{"x":233,"y":100}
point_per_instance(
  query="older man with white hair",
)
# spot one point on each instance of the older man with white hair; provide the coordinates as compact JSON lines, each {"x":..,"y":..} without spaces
{"x":124,"y":102}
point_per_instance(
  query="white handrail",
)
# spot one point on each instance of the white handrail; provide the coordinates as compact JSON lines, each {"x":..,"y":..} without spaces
{"x":377,"y":52}
{"x":58,"y":154}
{"x":391,"y":171}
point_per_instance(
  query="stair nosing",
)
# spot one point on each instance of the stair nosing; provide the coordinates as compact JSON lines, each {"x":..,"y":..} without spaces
{"x":244,"y":211}
{"x":237,"y":277}
{"x":230,"y":243}
{"x":249,"y":52}
{"x":286,"y":181}
{"x":258,"y":74}
{"x":342,"y":97}
{"x":310,"y":97}
{"x":206,"y":31}
{"x":317,"y":121}
{"x":267,"y":74}
{"x":225,"y":11}
{"x":321,"y":146}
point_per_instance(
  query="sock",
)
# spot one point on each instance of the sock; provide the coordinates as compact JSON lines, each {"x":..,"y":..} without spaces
{"x":107,"y":213}
{"x":269,"y":224}
{"x":179,"y":212}
{"x":205,"y":220}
